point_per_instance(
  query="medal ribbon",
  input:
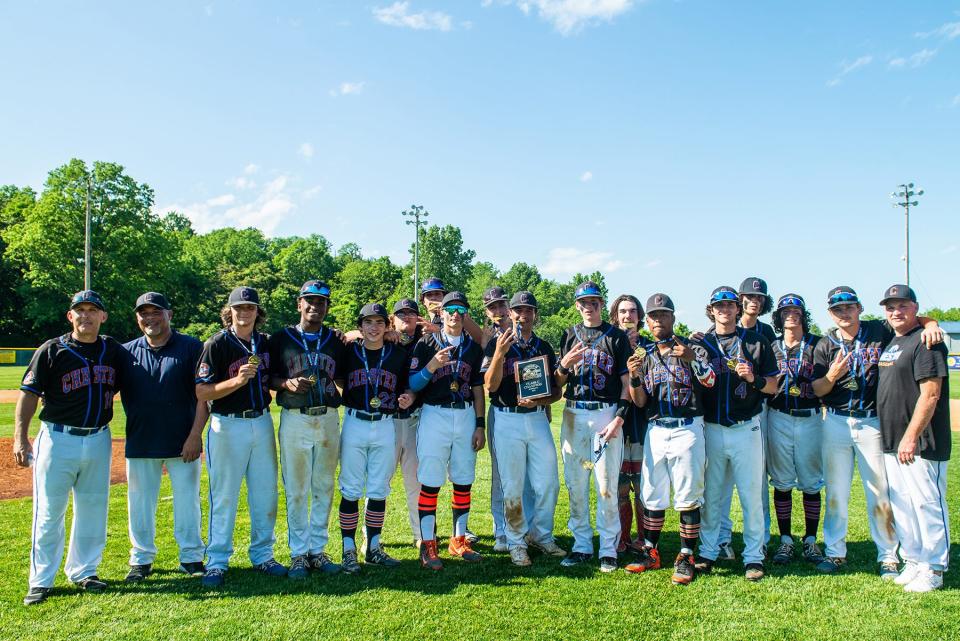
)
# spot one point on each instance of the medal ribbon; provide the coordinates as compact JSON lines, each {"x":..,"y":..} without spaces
{"x":313,"y":357}
{"x":253,"y":353}
{"x":590,"y":348}
{"x":786,"y":378}
{"x":857,"y":362}
{"x":456,"y":369}
{"x":723,"y":352}
{"x":362,"y":352}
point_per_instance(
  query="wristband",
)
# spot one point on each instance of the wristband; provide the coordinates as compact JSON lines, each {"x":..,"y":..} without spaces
{"x":623,"y":405}
{"x":481,"y":422}
{"x":759,"y":382}
{"x":563,"y":371}
{"x":635,"y":381}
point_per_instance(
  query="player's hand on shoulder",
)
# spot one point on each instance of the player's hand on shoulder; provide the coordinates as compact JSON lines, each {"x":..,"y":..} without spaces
{"x":931,"y":336}
{"x":391,"y":336}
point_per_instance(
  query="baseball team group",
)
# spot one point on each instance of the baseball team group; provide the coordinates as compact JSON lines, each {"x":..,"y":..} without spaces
{"x":651,"y":423}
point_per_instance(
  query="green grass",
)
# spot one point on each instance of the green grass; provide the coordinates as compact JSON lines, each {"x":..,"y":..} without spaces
{"x":11,"y":375}
{"x":491,"y":600}
{"x":954,"y":384}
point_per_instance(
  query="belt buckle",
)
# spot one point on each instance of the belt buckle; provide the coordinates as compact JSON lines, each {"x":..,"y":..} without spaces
{"x":316,"y":410}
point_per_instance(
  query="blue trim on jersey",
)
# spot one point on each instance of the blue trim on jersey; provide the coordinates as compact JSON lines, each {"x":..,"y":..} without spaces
{"x":103,"y":352}
{"x":27,"y":388}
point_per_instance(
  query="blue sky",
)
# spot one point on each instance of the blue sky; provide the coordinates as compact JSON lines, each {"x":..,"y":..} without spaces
{"x":673,"y":145}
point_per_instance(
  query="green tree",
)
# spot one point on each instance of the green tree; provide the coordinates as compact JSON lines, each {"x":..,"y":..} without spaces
{"x":951,"y":314}
{"x":358,"y":283}
{"x":295,"y":261}
{"x":521,"y":277}
{"x":483,"y":276}
{"x":14,"y":203}
{"x":442,"y":255}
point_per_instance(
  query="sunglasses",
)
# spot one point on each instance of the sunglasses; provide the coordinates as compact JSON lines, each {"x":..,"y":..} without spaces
{"x":724,"y":295}
{"x":792,"y":301}
{"x":455,"y":309}
{"x":404,"y":313}
{"x":843,"y":297}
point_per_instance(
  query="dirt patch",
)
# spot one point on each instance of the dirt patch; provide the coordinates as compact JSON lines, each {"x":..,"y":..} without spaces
{"x":9,"y":395}
{"x":17,"y":482}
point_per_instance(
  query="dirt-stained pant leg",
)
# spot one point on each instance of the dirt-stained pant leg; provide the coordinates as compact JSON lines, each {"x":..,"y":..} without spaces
{"x":575,"y":437}
{"x":406,"y":457}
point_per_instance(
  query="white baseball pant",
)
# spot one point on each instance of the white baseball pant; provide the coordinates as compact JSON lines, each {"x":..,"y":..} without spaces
{"x":309,"y":452}
{"x":528,"y":458}
{"x":405,"y":454}
{"x":576,"y":433}
{"x":736,"y":451}
{"x":143,"y":491}
{"x":726,"y":524}
{"x":496,"y":487}
{"x":918,"y":494}
{"x":673,"y":456}
{"x":794,"y":451}
{"x":65,"y":464}
{"x":444,"y":445}
{"x":848,"y":440}
{"x":238,"y":449}
{"x":367,"y":449}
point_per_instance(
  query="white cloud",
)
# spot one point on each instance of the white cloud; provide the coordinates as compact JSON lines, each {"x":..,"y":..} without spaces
{"x":948,"y":30}
{"x":221,"y":201}
{"x":567,"y":261}
{"x":570,"y":16}
{"x":918,"y":59}
{"x":313,"y":191}
{"x":849,"y":67}
{"x":586,"y":176}
{"x":251,"y":169}
{"x":306,"y":150}
{"x":241,"y":182}
{"x":347,"y":88}
{"x":265,"y":211}
{"x":398,"y":15}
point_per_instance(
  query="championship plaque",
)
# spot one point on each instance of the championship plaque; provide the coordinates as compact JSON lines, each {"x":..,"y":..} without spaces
{"x":532,"y":377}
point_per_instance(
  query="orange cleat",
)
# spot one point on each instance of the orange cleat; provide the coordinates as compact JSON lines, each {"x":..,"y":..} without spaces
{"x":459,"y":546}
{"x":648,"y":559}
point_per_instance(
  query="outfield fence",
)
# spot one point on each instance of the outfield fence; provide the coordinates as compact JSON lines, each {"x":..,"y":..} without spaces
{"x":16,"y":355}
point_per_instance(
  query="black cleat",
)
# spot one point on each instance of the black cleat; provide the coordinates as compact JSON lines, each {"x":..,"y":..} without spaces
{"x":92,"y":583}
{"x":195,"y":568}
{"x":36,"y":595}
{"x":138,"y":573}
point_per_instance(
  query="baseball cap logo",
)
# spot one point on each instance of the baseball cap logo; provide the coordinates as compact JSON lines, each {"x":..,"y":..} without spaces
{"x":837,"y":291}
{"x":245,"y":294}
{"x":756,"y":285}
{"x":892,"y":291}
{"x":659,"y":300}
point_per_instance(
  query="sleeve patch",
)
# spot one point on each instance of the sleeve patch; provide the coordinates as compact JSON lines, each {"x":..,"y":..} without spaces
{"x":30,"y":378}
{"x":204,"y":371}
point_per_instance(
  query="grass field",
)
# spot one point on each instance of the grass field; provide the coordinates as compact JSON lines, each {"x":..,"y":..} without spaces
{"x":10,"y":376}
{"x":493,"y":600}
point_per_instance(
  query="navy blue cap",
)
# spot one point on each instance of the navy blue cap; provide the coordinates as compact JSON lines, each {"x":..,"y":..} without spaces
{"x":899,"y":291}
{"x":87,"y":296}
{"x":586,"y":289}
{"x":523,"y":299}
{"x":791,"y":300}
{"x":660,"y":303}
{"x":244,"y":296}
{"x":723,"y":293}
{"x":841,"y":295}
{"x":432,"y":285}
{"x":152,"y":298}
{"x":754,"y":285}
{"x":315,"y":288}
{"x":406,"y":303}
{"x":455,"y":298}
{"x":374,"y":309}
{"x":494,"y":294}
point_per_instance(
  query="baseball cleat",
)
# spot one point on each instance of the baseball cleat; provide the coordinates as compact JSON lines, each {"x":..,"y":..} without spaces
{"x":683,"y":569}
{"x":92,"y":583}
{"x":379,"y":556}
{"x":608,"y":564}
{"x":754,"y":571}
{"x":349,"y":563}
{"x":460,"y":546}
{"x":299,"y":568}
{"x":811,"y":552}
{"x":575,"y":558}
{"x":323,"y":563}
{"x":271,"y":568}
{"x":926,"y":581}
{"x":36,"y":595}
{"x":908,"y":574}
{"x":784,"y":553}
{"x":889,"y":570}
{"x":138,"y":573}
{"x":472,"y":538}
{"x":214,"y":578}
{"x":726,"y":552}
{"x":704,"y":565}
{"x":519,"y":556}
{"x":550,"y":548}
{"x":501,"y":545}
{"x":831,"y":565}
{"x":647,"y":559}
{"x":194,"y":568}
{"x":428,"y":555}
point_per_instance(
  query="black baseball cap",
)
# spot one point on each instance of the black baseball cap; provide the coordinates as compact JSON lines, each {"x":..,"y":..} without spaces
{"x":406,"y":303}
{"x":432,"y":285}
{"x":87,"y":296}
{"x":493,"y":295}
{"x":455,"y":298}
{"x":374,"y":309}
{"x":587,"y":289}
{"x":523,"y":299}
{"x":660,"y":303}
{"x":754,"y":285}
{"x":841,"y":295}
{"x":315,"y":288}
{"x":152,"y":298}
{"x":899,"y":292}
{"x":722,"y":293}
{"x":791,"y":300}
{"x":244,"y":296}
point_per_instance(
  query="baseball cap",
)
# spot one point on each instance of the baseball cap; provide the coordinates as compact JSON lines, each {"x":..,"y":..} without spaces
{"x":406,"y":303}
{"x":723,"y":293}
{"x":87,"y":296}
{"x":315,"y":288}
{"x":586,"y":289}
{"x":899,"y":292}
{"x":754,"y":285}
{"x":841,"y":295}
{"x":374,"y":309}
{"x":660,"y":303}
{"x":493,"y":295}
{"x":455,"y":298}
{"x":244,"y":296}
{"x":791,"y":300}
{"x":523,"y":299}
{"x":432,"y":285}
{"x":152,"y":298}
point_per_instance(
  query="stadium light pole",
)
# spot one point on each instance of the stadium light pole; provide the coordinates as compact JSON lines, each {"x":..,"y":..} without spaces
{"x":905,"y":197}
{"x":416,"y":212}
{"x":87,"y":244}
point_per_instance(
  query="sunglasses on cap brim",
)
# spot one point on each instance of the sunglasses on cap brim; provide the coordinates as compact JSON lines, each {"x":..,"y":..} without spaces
{"x":792,"y":301}
{"x":842,"y":298}
{"x":723,"y":296}
{"x":455,"y":309}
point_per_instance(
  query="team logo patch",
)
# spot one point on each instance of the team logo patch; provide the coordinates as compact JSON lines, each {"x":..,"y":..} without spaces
{"x":30,"y":378}
{"x":756,"y":285}
{"x":204,"y":370}
{"x":414,"y":362}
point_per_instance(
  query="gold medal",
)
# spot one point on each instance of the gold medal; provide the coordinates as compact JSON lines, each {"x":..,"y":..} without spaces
{"x":375,"y":402}
{"x":640,"y":352}
{"x":852,"y":385}
{"x":794,"y":390}
{"x":313,"y":379}
{"x":254,"y":360}
{"x":629,"y":325}
{"x":454,"y":387}
{"x":732,"y":364}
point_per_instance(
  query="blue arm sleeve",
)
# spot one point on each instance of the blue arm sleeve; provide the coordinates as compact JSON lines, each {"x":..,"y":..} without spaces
{"x":419,"y":380}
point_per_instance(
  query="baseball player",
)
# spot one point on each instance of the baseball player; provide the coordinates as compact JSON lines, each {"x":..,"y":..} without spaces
{"x":627,"y":314}
{"x":913,"y":403}
{"x":593,"y":368}
{"x":76,"y":376}
{"x":746,"y":370}
{"x":445,"y":371}
{"x":234,"y":375}
{"x":794,"y":430}
{"x":303,"y":360}
{"x":373,"y":377}
{"x":527,"y":455}
{"x":845,"y":378}
{"x":432,"y":293}
{"x":164,"y":427}
{"x":667,"y":380}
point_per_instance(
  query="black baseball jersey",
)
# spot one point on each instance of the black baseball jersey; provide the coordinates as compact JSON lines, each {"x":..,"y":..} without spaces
{"x":369,"y":374}
{"x":732,"y":399}
{"x":796,"y":365}
{"x":903,"y":364}
{"x":867,"y":346}
{"x":223,"y":355}
{"x":454,"y":381}
{"x":673,"y":390}
{"x":597,"y":376}
{"x":506,"y":394}
{"x":294,"y":353}
{"x":77,"y":381}
{"x":761,"y":328}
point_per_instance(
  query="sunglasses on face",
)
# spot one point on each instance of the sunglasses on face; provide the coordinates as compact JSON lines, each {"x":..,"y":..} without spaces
{"x":455,"y":309}
{"x":404,"y":314}
{"x":843,"y":297}
{"x":723,"y":296}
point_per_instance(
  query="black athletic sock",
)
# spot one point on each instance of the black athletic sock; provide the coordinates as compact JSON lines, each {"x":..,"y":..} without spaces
{"x":689,"y":529}
{"x":461,"y":508}
{"x":427,"y":509}
{"x":783,"y":505}
{"x":811,"y":514}
{"x":349,"y":515}
{"x":373,"y":520}
{"x":652,"y":525}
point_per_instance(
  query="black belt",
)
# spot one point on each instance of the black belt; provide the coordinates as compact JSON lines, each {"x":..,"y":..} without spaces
{"x":854,"y":413}
{"x":245,"y":414}
{"x":671,"y":422}
{"x":800,"y":413}
{"x":75,"y":431}
{"x":367,"y":416}
{"x":518,"y":409}
{"x":456,"y":405}
{"x":588,"y":405}
{"x":316,"y":410}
